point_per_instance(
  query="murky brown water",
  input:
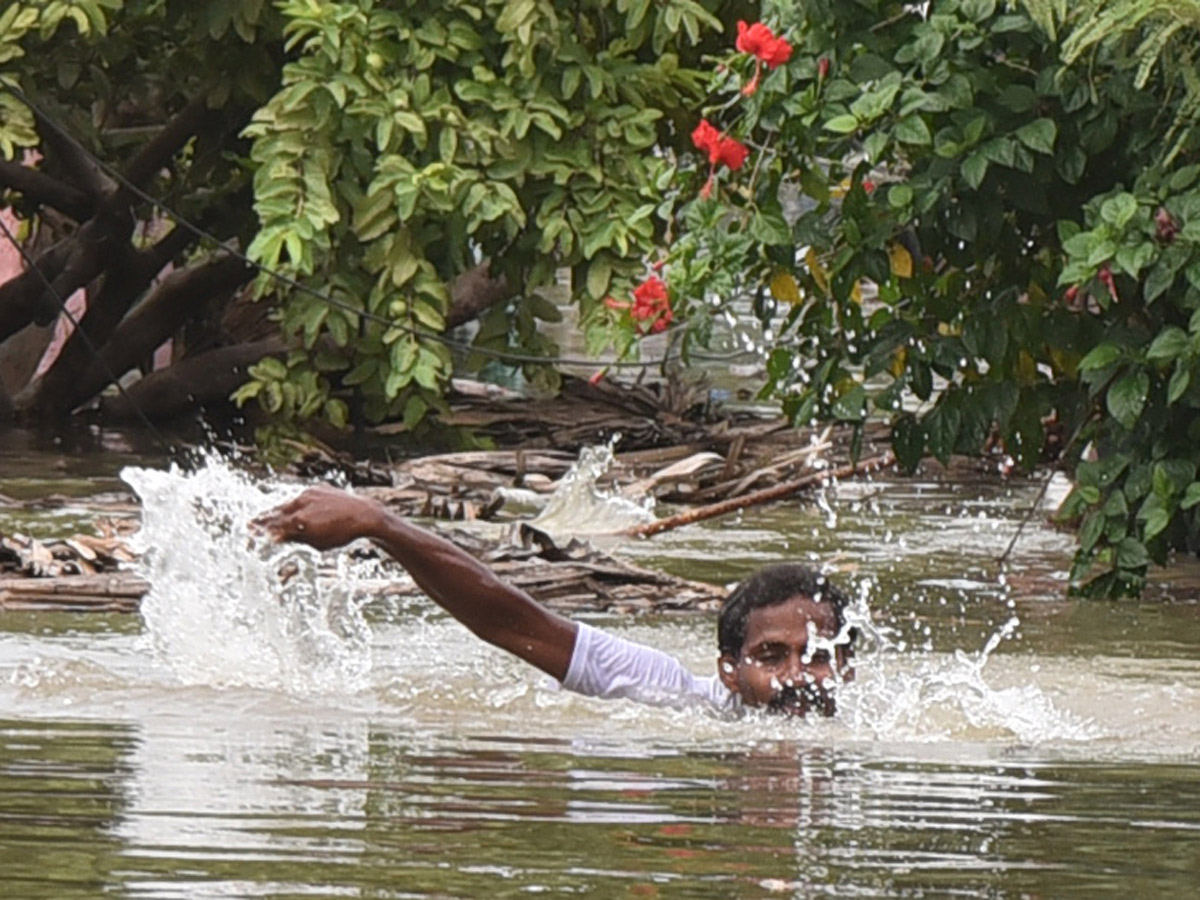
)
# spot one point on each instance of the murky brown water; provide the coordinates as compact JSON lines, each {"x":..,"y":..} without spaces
{"x":1064,"y":761}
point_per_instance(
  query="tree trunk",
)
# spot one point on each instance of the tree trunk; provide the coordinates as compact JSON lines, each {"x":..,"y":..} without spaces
{"x":190,"y":384}
{"x":97,"y":351}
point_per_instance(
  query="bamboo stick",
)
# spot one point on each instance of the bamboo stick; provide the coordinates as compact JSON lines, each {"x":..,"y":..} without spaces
{"x":754,"y":498}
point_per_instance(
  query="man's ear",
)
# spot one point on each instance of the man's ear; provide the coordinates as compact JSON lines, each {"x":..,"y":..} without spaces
{"x":727,"y":672}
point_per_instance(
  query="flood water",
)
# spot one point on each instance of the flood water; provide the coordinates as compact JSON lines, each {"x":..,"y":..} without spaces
{"x":249,"y":738}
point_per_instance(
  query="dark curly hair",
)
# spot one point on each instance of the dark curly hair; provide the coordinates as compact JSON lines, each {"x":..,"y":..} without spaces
{"x":769,"y":587}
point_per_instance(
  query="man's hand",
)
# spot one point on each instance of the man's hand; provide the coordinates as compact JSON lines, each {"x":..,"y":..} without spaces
{"x":324,"y":518}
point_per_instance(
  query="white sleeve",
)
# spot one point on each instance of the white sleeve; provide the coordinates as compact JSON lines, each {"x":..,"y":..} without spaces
{"x":603,"y":665}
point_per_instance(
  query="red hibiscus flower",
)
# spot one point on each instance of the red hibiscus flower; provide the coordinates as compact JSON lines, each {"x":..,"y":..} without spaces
{"x":651,"y":306}
{"x":759,"y":41}
{"x":706,"y":137}
{"x":721,"y":151}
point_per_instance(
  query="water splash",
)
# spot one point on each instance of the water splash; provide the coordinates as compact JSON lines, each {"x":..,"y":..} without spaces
{"x":226,"y":608}
{"x":580,"y":506}
{"x":956,"y":696}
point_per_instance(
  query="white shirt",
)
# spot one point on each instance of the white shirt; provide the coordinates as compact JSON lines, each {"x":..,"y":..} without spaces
{"x":603,"y":665}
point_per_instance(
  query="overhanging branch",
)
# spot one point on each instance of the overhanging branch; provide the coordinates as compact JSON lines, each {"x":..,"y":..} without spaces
{"x":155,"y":155}
{"x":190,"y":384}
{"x":44,"y":190}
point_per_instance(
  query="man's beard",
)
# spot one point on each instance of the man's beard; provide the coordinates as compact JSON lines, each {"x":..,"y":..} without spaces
{"x":800,"y":700}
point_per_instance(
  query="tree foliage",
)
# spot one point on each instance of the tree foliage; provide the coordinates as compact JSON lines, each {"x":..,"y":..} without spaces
{"x":1019,"y":186}
{"x":410,"y":141}
{"x":978,"y":219}
{"x":395,"y":151}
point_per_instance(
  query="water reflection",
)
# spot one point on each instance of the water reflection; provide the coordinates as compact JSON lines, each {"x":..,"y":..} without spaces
{"x":338,"y":809}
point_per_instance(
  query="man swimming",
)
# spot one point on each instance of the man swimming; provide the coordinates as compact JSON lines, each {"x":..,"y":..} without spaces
{"x":782,"y":637}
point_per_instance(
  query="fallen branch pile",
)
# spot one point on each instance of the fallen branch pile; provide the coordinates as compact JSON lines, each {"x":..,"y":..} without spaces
{"x":669,"y":450}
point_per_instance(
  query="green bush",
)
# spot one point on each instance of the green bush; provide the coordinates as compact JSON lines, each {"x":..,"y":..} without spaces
{"x":1029,"y":218}
{"x":409,"y":141}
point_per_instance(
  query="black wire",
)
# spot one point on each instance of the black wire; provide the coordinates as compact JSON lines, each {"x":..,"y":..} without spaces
{"x":208,"y":236}
{"x":82,"y":332}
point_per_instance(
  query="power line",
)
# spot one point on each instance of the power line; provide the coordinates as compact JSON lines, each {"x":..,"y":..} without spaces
{"x":203,"y":234}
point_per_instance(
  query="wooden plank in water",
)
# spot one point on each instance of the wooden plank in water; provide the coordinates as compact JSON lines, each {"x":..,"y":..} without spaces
{"x":120,"y":592}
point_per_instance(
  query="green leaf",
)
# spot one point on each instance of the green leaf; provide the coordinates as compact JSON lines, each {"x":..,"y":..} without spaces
{"x":1039,"y":135}
{"x":1116,"y":505}
{"x":1191,"y":496}
{"x":1100,"y":356}
{"x":1131,"y":554}
{"x":908,"y":440}
{"x":1171,"y":343}
{"x":1020,"y":98}
{"x":337,"y":413}
{"x":942,"y":427}
{"x":849,"y":406}
{"x":269,"y":369}
{"x":598,"y":277}
{"x":1155,"y":524}
{"x":1180,"y":379}
{"x":913,"y":130}
{"x":414,"y":411}
{"x":1131,"y":259}
{"x":900,"y":196}
{"x":845,"y":124}
{"x":875,"y":145}
{"x":974,"y":169}
{"x":360,"y":373}
{"x":1127,"y":397}
{"x":1160,"y":278}
{"x":770,"y":228}
{"x":1118,"y":210}
{"x":1161,"y":481}
{"x":1090,"y":530}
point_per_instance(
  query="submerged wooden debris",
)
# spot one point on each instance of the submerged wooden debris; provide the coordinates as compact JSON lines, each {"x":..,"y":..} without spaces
{"x":119,"y":592}
{"x":79,"y":573}
{"x":572,"y":578}
{"x":576,"y":577}
{"x":671,"y":449}
{"x":733,"y":462}
{"x":80,"y":554}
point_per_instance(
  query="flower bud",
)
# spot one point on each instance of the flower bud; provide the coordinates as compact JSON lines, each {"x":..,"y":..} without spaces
{"x":1165,"y":226}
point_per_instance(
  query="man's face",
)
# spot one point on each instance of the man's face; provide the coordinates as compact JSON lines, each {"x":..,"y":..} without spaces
{"x":787,"y":664}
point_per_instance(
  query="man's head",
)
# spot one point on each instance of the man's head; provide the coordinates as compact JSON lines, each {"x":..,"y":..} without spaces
{"x":781,"y":642}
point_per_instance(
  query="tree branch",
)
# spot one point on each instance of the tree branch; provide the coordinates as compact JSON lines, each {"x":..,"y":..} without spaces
{"x":154,"y":258}
{"x":159,"y":151}
{"x":81,"y":166}
{"x":44,"y":190}
{"x":174,"y":302}
{"x":190,"y":383}
{"x":18,"y":295}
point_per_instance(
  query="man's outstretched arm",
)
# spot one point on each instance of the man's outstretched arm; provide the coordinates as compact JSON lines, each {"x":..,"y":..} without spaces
{"x":496,"y":611}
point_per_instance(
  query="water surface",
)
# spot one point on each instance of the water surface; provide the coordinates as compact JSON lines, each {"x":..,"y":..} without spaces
{"x":245,"y":738}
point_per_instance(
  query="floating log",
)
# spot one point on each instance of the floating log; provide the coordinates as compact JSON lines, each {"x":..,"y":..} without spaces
{"x":117,"y":592}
